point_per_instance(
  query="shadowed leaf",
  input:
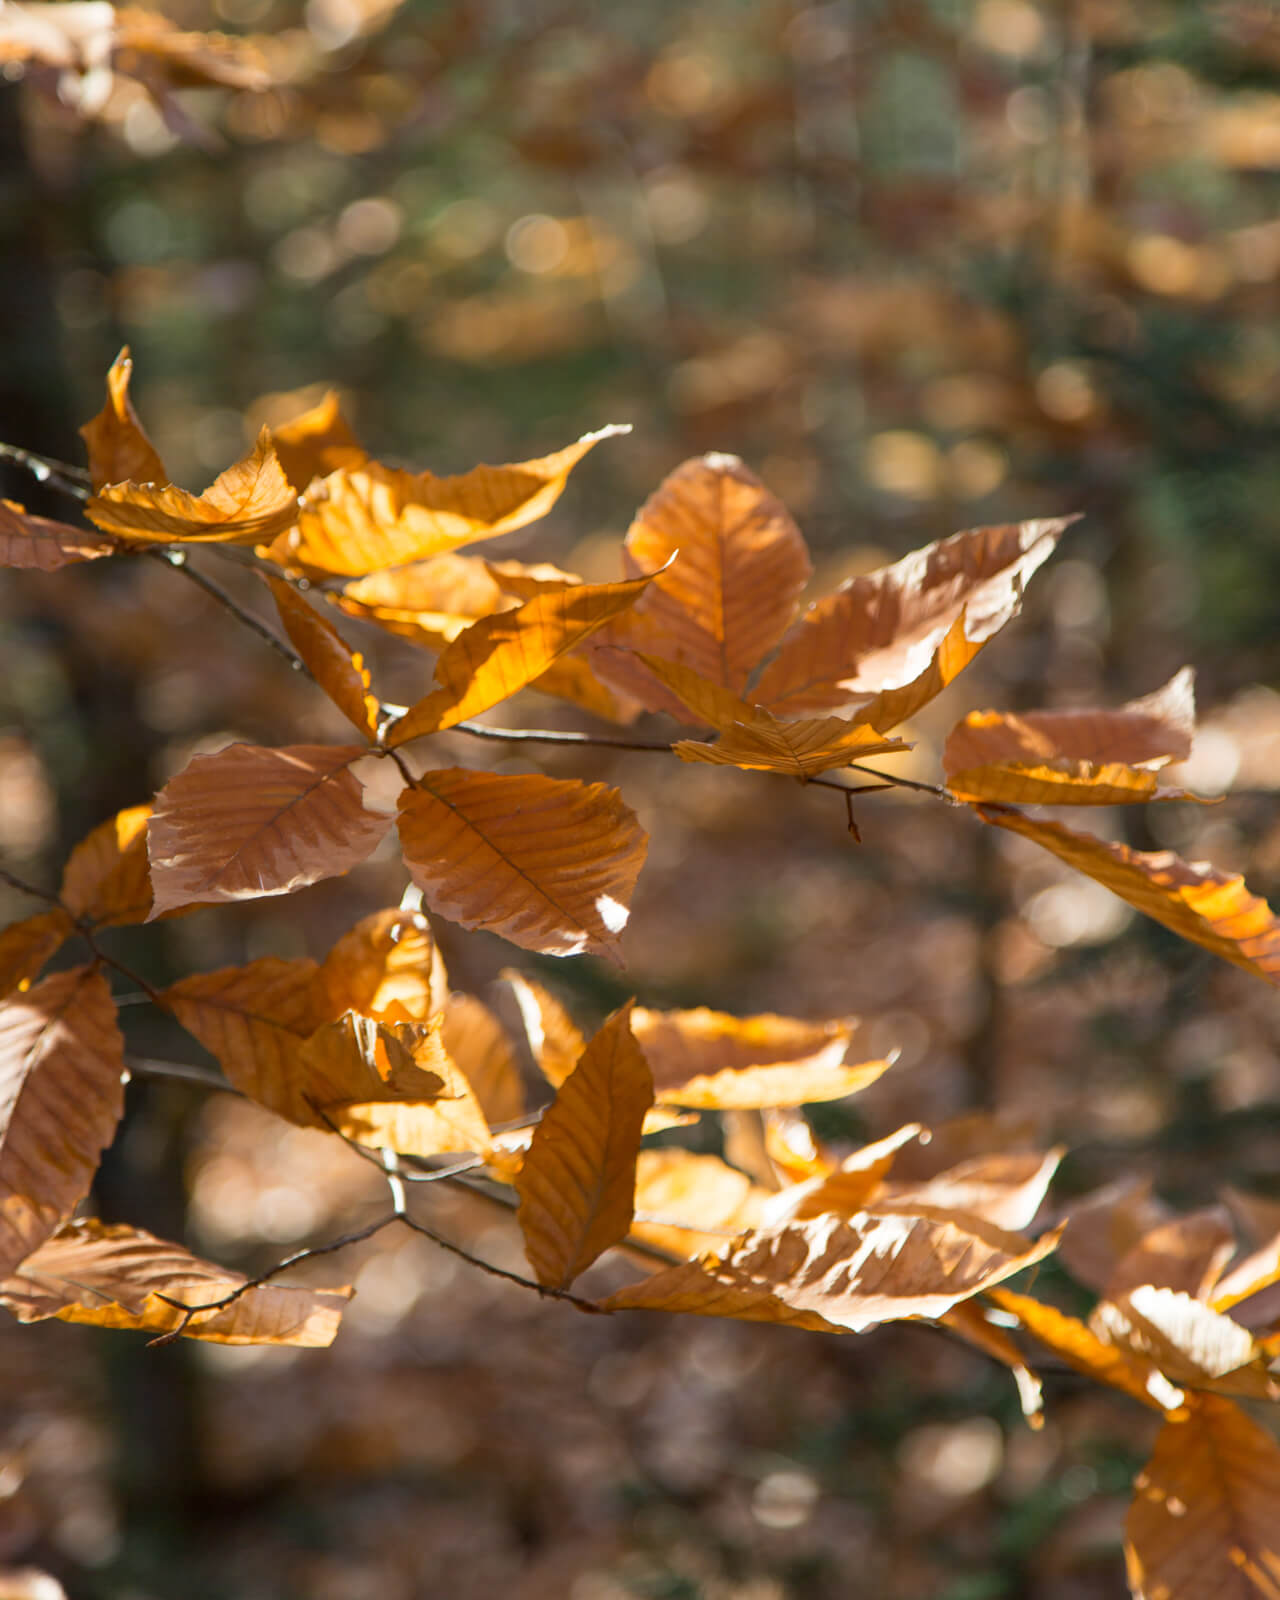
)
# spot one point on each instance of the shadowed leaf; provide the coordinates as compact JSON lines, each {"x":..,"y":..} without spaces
{"x":554,"y":1037}
{"x":971,"y":1322}
{"x":26,"y":946}
{"x":386,"y":967}
{"x":42,"y":545}
{"x":1186,"y":1253}
{"x":107,"y":878}
{"x":680,"y":1195}
{"x":479,"y":1046}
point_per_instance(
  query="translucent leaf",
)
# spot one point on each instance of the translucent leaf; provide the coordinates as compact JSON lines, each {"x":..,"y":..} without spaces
{"x":547,"y":863}
{"x":1007,"y":1189}
{"x":478,"y":1044}
{"x":354,"y":1058}
{"x":247,"y":504}
{"x":247,"y":822}
{"x":1189,"y":1342}
{"x":954,"y":652}
{"x":42,"y":545}
{"x":338,"y":670}
{"x":1205,"y":1518}
{"x":853,"y":1186}
{"x":429,"y":602}
{"x":554,"y":1037}
{"x":1082,"y":1349}
{"x":119,"y":450}
{"x":1074,"y":783}
{"x":386,"y":967}
{"x":115,"y":1277}
{"x":1211,"y":908}
{"x":881,"y":631}
{"x":578,"y":1180}
{"x":26,"y":946}
{"x":107,"y":878}
{"x":361,"y":520}
{"x":452,"y":1123}
{"x":61,"y":1095}
{"x":680,"y":1195}
{"x":316,"y":443}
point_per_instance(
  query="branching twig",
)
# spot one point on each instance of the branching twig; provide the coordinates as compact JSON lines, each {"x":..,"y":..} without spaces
{"x":62,"y":475}
{"x":177,"y":560}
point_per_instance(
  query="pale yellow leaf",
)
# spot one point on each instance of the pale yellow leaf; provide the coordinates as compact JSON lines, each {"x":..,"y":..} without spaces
{"x":1192,"y":1344}
{"x":429,"y":602}
{"x":853,"y":1186}
{"x":1007,"y":1189}
{"x":686,"y":1204}
{"x":119,"y":450}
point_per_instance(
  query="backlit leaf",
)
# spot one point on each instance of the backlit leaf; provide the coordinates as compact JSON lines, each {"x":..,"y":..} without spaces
{"x":429,"y":602}
{"x":478,"y":1044}
{"x":316,"y":443}
{"x":881,"y":631}
{"x":547,"y":863}
{"x":1205,"y":1518}
{"x":26,"y":946}
{"x":339,"y":671}
{"x":554,"y":1037}
{"x":1075,"y":783}
{"x":114,"y":1276}
{"x":42,"y":545}
{"x":853,"y":1186}
{"x":107,"y":878}
{"x":1082,"y":1349}
{"x":61,"y":1095}
{"x":361,"y":520}
{"x":1211,"y":908}
{"x":385,"y":968}
{"x":1007,"y":1189}
{"x":1190,"y":1342}
{"x":248,"y":821}
{"x":578,"y":1180}
{"x":1186,"y":1253}
{"x":680,"y":1196}
{"x":452,"y":1122}
{"x":119,"y":450}
{"x":355,"y":1058}
{"x":249,"y":503}
{"x":954,"y":651}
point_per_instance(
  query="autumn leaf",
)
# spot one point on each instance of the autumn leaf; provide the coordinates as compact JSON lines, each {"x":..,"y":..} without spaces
{"x":317,"y":442}
{"x":428,"y":602}
{"x":554,"y":1037}
{"x":119,"y":450}
{"x":120,"y":1277}
{"x":881,"y":631}
{"x":892,"y":706}
{"x":1192,"y":1344}
{"x":386,"y":967}
{"x":500,"y":654}
{"x":686,"y":1204}
{"x":845,"y":1272}
{"x":61,"y":1095}
{"x":712,"y":1061}
{"x":42,"y":545}
{"x":1081,"y":1348}
{"x":972,"y":1321}
{"x":26,"y":946}
{"x":853,"y":1186}
{"x":451,"y":1122}
{"x":249,"y":503}
{"x":247,"y":822}
{"x":1102,"y":1227}
{"x":361,"y":520}
{"x":1007,"y":1189}
{"x":578,"y":1180}
{"x":1075,"y":783}
{"x":338,"y":670}
{"x":1186,"y":1253}
{"x":107,"y":878}
{"x":1203,"y":1520}
{"x":478,"y":1044}
{"x":1210,"y":908}
{"x":547,"y":863}
{"x":354,"y":1058}
{"x":187,"y":58}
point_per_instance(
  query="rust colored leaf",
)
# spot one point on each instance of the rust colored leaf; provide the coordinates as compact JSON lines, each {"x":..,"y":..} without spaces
{"x":853,"y":1186}
{"x":316,"y":443}
{"x":386,"y":967}
{"x":254,"y":1020}
{"x":61,"y":1095}
{"x":249,"y":503}
{"x":42,"y":545}
{"x":712,"y":1061}
{"x":880,"y":631}
{"x":1187,"y":1253}
{"x":687,"y":1204}
{"x":502,"y":653}
{"x":107,"y":878}
{"x":26,"y":946}
{"x":892,"y":706}
{"x":1075,"y":783}
{"x":451,"y":1123}
{"x":850,"y":1273}
{"x":120,"y":1277}
{"x":1191,"y":1343}
{"x":1210,"y":908}
{"x":362,"y":520}
{"x":1007,"y":1189}
{"x":578,"y":1180}
{"x":248,"y":822}
{"x":1082,"y":1349}
{"x":355,"y":1058}
{"x":338,"y":670}
{"x":477,"y":1042}
{"x":547,"y":863}
{"x":1205,"y":1518}
{"x":554,"y":1037}
{"x":1104,"y":1226}
{"x":119,"y":450}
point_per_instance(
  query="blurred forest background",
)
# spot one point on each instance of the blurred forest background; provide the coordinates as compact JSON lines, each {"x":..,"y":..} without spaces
{"x":923,"y":264}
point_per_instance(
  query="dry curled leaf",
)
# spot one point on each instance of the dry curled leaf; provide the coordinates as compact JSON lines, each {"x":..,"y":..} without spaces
{"x":119,"y":450}
{"x":339,"y":671}
{"x":26,"y":946}
{"x":386,"y":967}
{"x":578,"y":1180}
{"x":317,"y":442}
{"x":107,"y":878}
{"x":248,"y":821}
{"x":1007,"y":1189}
{"x":1186,"y":1253}
{"x":42,"y":545}
{"x":554,"y":1037}
{"x":1192,"y":1344}
{"x":1077,"y":1344}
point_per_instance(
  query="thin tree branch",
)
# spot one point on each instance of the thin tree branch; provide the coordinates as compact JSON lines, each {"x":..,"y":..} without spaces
{"x":177,"y":560}
{"x":180,"y":1072}
{"x":480,"y":730}
{"x":44,"y":469}
{"x":906,"y":783}
{"x":23,"y":887}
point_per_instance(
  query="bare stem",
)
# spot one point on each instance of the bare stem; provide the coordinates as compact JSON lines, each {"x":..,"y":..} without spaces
{"x":179,"y":1072}
{"x":480,"y":730}
{"x":61,"y":475}
{"x":177,"y":560}
{"x":23,"y":887}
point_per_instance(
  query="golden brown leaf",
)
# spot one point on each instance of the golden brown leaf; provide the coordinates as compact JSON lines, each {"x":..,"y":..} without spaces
{"x":1007,"y":1189}
{"x":1211,"y":908}
{"x":1186,"y":1253}
{"x":686,"y":1204}
{"x":354,"y":1058}
{"x":547,"y":863}
{"x":578,"y":1180}
{"x":316,"y":443}
{"x":119,"y":450}
{"x":1257,"y":1271}
{"x":500,"y":654}
{"x":338,"y":670}
{"x":853,"y":1186}
{"x":554,"y":1038}
{"x":895,"y":705}
{"x":249,"y":821}
{"x":61,"y":1095}
{"x":1205,"y":1518}
{"x":107,"y":878}
{"x":42,"y":545}
{"x":26,"y":946}
{"x":1104,"y":1226}
{"x":249,"y":503}
{"x":1063,"y":783}
{"x":881,"y":631}
{"x":120,"y":1277}
{"x":712,"y":1061}
{"x":1191,"y":1344}
{"x":970,"y":1321}
{"x":385,"y":968}
{"x":479,"y":1046}
{"x":429,"y":602}
{"x":1082,"y":1349}
{"x":793,"y":1150}
{"x":452,"y":1122}
{"x":362,"y":520}
{"x":852,"y":1272}
{"x":187,"y":58}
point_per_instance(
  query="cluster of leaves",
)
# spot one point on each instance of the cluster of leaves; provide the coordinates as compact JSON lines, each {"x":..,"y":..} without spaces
{"x":703,"y":626}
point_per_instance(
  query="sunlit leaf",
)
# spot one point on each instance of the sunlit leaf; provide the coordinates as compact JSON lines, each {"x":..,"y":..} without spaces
{"x":386,"y":967}
{"x":1103,"y":1227}
{"x":1190,"y":1342}
{"x":114,"y":1276}
{"x":354,"y":1058}
{"x":107,"y":878}
{"x":954,"y":651}
{"x":1211,"y":908}
{"x":881,"y":631}
{"x":1075,"y":783}
{"x":554,"y":1037}
{"x":1007,"y":1189}
{"x":316,"y":443}
{"x":853,"y":1186}
{"x":26,"y":946}
{"x":1186,"y":1253}
{"x":119,"y":450}
{"x":338,"y":670}
{"x":248,"y":821}
{"x":429,"y":602}
{"x":686,"y":1204}
{"x":61,"y":1095}
{"x":361,"y":520}
{"x":547,"y":863}
{"x":1081,"y":1348}
{"x":578,"y":1180}
{"x":247,"y":504}
{"x":1204,"y":1519}
{"x":478,"y":1044}
{"x":42,"y":545}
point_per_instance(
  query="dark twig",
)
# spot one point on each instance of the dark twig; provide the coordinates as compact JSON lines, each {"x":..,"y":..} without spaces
{"x":480,"y":730}
{"x":179,"y":1072}
{"x":177,"y":559}
{"x":44,"y":469}
{"x":906,"y":783}
{"x":23,"y":887}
